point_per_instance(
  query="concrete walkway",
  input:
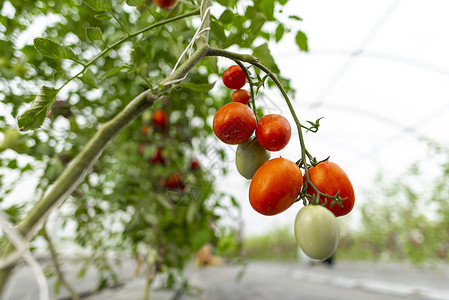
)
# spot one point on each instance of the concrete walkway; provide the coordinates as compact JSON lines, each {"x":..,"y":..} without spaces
{"x":272,"y":281}
{"x":344,"y":281}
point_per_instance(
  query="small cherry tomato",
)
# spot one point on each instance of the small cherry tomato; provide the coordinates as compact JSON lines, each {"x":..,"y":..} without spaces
{"x":234,"y":123}
{"x":249,"y":157}
{"x":194,"y":164}
{"x":160,"y":119}
{"x":273,"y":132}
{"x":317,"y":231}
{"x":166,"y":4}
{"x":158,"y":158}
{"x":241,"y":96}
{"x":146,"y":129}
{"x":275,"y":186}
{"x":175,"y":181}
{"x":234,"y":77}
{"x":329,"y":178}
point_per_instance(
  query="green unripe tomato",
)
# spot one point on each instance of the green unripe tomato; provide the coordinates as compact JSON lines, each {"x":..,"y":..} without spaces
{"x":317,"y":231}
{"x":249,"y":157}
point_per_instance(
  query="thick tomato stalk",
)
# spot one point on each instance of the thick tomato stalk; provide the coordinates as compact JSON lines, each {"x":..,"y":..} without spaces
{"x":275,"y":186}
{"x":330,"y":179}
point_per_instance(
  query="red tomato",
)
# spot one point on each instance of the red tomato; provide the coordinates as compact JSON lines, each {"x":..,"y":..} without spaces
{"x":160,"y":118}
{"x":175,"y":181}
{"x":273,"y":132}
{"x":275,"y":186}
{"x":145,"y":129}
{"x":194,"y":164}
{"x":234,"y":77}
{"x":329,"y":178}
{"x":166,"y":4}
{"x":234,"y":123}
{"x":241,"y":96}
{"x":158,"y":158}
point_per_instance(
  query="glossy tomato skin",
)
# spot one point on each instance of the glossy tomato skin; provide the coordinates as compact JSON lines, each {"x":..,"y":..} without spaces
{"x":160,"y":118}
{"x":241,"y":96}
{"x":166,"y":4}
{"x":275,"y":186}
{"x":317,"y":231}
{"x":234,"y":123}
{"x":273,"y":132}
{"x":329,"y":178}
{"x":249,"y":157}
{"x":234,"y":77}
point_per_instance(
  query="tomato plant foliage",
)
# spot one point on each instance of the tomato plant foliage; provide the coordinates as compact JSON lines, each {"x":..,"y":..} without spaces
{"x":94,"y":57}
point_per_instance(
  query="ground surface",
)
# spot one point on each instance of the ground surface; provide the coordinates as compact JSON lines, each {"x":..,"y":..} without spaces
{"x":271,"y":281}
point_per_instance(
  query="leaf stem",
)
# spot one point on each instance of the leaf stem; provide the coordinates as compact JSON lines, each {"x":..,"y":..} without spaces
{"x":130,"y":36}
{"x":251,"y":87}
{"x":120,"y":23}
{"x":304,"y":152}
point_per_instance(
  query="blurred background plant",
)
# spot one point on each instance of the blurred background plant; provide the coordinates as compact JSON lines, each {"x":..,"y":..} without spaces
{"x":152,"y":190}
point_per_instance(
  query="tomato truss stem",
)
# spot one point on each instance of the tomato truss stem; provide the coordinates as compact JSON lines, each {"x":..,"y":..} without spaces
{"x":251,"y":87}
{"x":305,"y":154}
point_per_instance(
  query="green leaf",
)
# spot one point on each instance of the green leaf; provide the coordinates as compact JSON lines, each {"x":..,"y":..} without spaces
{"x":197,"y":87}
{"x":200,"y":238}
{"x":52,"y":49}
{"x":99,"y":5}
{"x":214,"y":63}
{"x":34,"y":116}
{"x":217,"y":30}
{"x":226,"y":17}
{"x":135,"y":2}
{"x":301,"y":41}
{"x":293,"y":17}
{"x":234,"y":202}
{"x":280,"y":30}
{"x":113,"y":72}
{"x":94,"y":34}
{"x":263,"y":53}
{"x":103,"y":16}
{"x":89,"y":78}
{"x":267,"y":8}
{"x":257,"y":23}
{"x":227,"y":3}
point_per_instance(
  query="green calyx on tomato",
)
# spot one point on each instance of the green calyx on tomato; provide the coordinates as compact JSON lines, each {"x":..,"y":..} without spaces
{"x":249,"y":157}
{"x":317,"y":231}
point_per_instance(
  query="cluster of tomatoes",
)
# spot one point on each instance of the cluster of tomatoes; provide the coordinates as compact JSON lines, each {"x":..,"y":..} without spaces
{"x":159,"y":122}
{"x":277,"y":183}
